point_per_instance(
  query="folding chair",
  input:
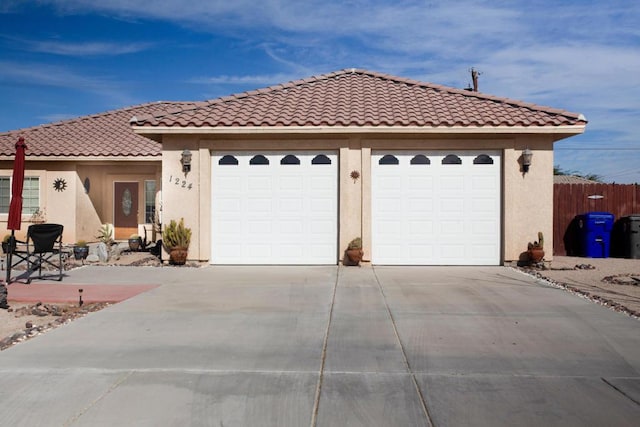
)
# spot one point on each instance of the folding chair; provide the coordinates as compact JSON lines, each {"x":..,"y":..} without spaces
{"x":43,"y":247}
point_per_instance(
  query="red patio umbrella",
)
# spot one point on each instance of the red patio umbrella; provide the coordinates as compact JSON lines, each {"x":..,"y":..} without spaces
{"x":15,"y":208}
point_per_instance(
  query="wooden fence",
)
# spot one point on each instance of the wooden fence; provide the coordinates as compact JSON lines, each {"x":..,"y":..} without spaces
{"x":570,"y":200}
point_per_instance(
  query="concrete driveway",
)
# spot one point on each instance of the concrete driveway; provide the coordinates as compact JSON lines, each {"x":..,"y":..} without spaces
{"x":328,"y":346}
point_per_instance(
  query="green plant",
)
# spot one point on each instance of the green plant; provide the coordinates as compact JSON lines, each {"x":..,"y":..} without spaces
{"x":355,"y":243}
{"x":38,"y":216}
{"x":104,"y":233}
{"x":176,"y":235}
{"x":539,"y":244}
{"x":134,"y":237}
{"x":6,"y":238}
{"x":81,"y":244}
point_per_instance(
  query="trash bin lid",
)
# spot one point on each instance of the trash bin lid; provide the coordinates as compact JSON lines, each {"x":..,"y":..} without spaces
{"x":597,"y":214}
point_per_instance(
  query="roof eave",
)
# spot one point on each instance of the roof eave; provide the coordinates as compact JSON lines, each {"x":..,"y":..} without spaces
{"x":155,"y":132}
{"x":76,"y":158}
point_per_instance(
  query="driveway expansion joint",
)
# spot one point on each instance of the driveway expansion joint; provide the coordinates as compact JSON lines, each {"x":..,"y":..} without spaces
{"x":421,"y":397}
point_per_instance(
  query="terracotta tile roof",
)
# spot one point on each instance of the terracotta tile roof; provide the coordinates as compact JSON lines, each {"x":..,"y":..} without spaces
{"x":106,"y":134}
{"x":360,"y":98}
{"x":572,"y":179}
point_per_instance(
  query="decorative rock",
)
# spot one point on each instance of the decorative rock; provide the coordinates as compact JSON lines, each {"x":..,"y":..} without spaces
{"x":92,"y":258}
{"x":28,"y":325}
{"x":102,"y":252}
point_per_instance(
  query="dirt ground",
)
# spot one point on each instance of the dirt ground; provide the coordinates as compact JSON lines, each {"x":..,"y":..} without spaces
{"x":611,"y":282}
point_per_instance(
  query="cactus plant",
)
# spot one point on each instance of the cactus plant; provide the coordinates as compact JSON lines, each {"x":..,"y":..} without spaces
{"x":539,"y":244}
{"x":176,"y":235}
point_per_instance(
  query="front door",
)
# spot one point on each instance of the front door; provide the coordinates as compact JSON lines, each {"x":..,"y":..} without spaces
{"x":125,"y":204}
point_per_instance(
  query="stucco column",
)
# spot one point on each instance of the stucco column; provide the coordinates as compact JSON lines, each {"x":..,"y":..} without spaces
{"x":350,"y":188}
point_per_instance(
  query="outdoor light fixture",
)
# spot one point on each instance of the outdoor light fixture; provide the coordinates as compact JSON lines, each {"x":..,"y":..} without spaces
{"x":186,"y":161}
{"x":526,"y":159}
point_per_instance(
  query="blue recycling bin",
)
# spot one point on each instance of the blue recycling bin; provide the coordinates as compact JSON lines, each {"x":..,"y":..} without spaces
{"x":595,"y":232}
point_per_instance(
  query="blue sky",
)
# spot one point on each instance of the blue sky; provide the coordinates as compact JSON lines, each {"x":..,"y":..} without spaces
{"x":67,"y":58}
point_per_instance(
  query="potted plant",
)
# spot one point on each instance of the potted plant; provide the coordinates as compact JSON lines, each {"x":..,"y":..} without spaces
{"x":176,"y":238}
{"x":536,"y":249}
{"x":80,"y":250}
{"x":353,"y":254}
{"x":135,"y":241}
{"x":5,"y":243}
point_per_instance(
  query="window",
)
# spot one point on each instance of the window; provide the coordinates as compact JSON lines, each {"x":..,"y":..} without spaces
{"x":290,"y":159}
{"x":228,"y":160}
{"x":420,"y":159}
{"x":321,"y":159}
{"x":5,"y":194}
{"x":483,"y":159}
{"x":452,"y":159}
{"x":149,"y":201}
{"x":259,"y":160}
{"x":388,"y":160}
{"x":30,"y":195}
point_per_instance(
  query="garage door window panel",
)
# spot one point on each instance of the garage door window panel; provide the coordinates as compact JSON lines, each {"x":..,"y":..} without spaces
{"x":259,"y":160}
{"x":290,"y":159}
{"x":321,"y":159}
{"x":228,"y":161}
{"x":483,"y":159}
{"x":452,"y":159}
{"x":420,"y":159}
{"x":389,"y":160}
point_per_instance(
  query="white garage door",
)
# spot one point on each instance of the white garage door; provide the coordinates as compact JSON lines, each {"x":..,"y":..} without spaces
{"x":436,"y":208}
{"x":274,"y":208}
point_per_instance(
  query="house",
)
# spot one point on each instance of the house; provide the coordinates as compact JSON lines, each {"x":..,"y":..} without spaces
{"x":425,"y":174}
{"x":81,"y":172}
{"x":289,"y":174}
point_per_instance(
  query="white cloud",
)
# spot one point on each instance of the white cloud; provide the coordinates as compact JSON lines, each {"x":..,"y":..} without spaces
{"x":257,"y":80}
{"x":60,"y":77}
{"x":85,"y":48}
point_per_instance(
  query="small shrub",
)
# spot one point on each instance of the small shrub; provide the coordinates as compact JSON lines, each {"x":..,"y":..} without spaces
{"x":105,"y":234}
{"x":355,"y":243}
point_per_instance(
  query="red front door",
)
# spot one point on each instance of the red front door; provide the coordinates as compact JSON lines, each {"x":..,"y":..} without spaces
{"x":125,"y":203}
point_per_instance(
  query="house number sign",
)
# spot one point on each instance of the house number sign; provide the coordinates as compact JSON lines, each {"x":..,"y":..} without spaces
{"x":182,"y":183}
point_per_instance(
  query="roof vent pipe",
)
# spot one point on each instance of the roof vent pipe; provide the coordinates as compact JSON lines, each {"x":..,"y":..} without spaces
{"x":474,"y":77}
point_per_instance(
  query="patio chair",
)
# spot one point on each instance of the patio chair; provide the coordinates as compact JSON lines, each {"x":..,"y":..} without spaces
{"x":42,"y":248}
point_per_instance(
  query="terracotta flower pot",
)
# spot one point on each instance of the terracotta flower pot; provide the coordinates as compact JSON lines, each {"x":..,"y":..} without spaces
{"x":536,"y":254}
{"x":353,"y":256}
{"x":178,"y":256}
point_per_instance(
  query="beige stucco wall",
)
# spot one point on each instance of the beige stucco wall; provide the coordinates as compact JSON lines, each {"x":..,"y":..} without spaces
{"x":82,"y":212}
{"x":527,"y":198}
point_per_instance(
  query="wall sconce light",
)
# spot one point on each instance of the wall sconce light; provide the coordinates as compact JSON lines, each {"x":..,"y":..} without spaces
{"x":186,"y":161}
{"x":526,"y":159}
